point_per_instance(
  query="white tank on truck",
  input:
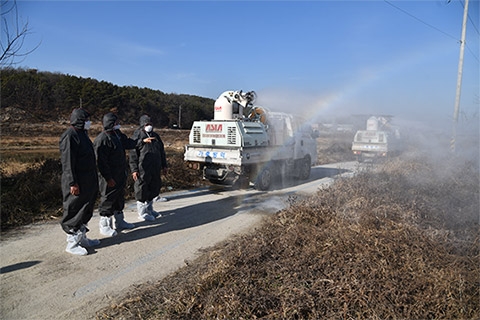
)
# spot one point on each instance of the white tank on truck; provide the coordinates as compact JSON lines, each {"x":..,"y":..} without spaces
{"x":380,"y":140}
{"x":235,"y":148}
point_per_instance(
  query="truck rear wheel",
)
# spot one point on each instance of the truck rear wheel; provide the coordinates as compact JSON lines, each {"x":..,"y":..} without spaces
{"x":264,"y":179}
{"x":305,"y":168}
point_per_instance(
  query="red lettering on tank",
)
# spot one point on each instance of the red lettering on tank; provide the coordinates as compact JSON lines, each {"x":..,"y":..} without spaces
{"x":214,"y":127}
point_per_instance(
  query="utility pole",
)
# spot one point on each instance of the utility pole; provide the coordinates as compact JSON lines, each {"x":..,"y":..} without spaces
{"x":459,"y":77}
{"x":180,"y":117}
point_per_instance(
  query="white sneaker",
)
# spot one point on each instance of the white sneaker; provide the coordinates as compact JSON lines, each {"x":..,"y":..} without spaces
{"x":73,"y":245}
{"x":162,"y":199}
{"x":106,"y":227}
{"x":143,"y":212}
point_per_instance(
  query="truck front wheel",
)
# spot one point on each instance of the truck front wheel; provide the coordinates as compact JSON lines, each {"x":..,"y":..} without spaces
{"x":264,"y":179}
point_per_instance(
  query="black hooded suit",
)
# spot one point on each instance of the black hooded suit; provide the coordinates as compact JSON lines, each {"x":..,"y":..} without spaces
{"x":148,"y":159}
{"x":78,"y":168}
{"x":110,"y":146}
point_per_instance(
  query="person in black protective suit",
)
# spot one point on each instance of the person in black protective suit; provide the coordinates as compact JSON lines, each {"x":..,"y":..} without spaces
{"x":147,"y":161}
{"x":110,"y":146}
{"x":79,"y":182}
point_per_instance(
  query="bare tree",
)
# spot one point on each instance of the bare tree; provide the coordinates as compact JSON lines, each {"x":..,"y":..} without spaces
{"x":13,"y":35}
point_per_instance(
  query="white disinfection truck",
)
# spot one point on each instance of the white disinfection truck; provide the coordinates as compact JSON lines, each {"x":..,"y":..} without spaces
{"x":234,"y":148}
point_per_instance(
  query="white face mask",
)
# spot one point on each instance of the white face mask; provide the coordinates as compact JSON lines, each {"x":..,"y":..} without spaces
{"x":87,"y":125}
{"x":116,"y":127}
{"x":149,"y":128}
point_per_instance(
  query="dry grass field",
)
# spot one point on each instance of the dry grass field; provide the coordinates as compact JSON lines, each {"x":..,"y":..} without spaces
{"x":400,"y":240}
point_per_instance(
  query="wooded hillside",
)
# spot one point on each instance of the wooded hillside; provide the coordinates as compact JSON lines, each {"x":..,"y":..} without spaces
{"x":44,"y":96}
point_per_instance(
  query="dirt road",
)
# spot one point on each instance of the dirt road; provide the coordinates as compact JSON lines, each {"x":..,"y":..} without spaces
{"x":39,"y":280}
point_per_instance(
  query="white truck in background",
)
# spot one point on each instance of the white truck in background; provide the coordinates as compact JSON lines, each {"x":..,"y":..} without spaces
{"x":237,"y":149}
{"x":380,"y":140}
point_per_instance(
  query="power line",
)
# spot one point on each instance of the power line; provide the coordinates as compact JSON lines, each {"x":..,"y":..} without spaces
{"x":473,"y":53}
{"x":420,"y":20}
{"x":470,"y":19}
{"x":474,"y":27}
{"x":435,"y":28}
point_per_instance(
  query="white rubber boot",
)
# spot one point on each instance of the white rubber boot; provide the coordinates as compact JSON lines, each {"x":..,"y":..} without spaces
{"x":106,"y":227}
{"x":152,"y":212}
{"x":143,"y":215}
{"x":85,"y":242}
{"x":120,"y":222}
{"x":73,"y":245}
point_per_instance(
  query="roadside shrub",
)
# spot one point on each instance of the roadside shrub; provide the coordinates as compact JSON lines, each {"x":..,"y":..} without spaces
{"x":32,"y":195}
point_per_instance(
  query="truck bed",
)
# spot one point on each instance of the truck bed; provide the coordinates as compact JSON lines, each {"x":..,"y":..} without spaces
{"x":236,"y":156}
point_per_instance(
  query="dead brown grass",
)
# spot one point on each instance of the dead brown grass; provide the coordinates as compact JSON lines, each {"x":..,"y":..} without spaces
{"x":30,"y":173}
{"x":398,"y":243}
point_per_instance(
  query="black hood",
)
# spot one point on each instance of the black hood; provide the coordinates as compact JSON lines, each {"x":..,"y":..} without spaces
{"x":144,"y":120}
{"x":78,"y":118}
{"x":109,"y":121}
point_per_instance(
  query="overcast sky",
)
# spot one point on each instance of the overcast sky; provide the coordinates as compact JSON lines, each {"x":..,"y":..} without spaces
{"x":314,"y":57}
